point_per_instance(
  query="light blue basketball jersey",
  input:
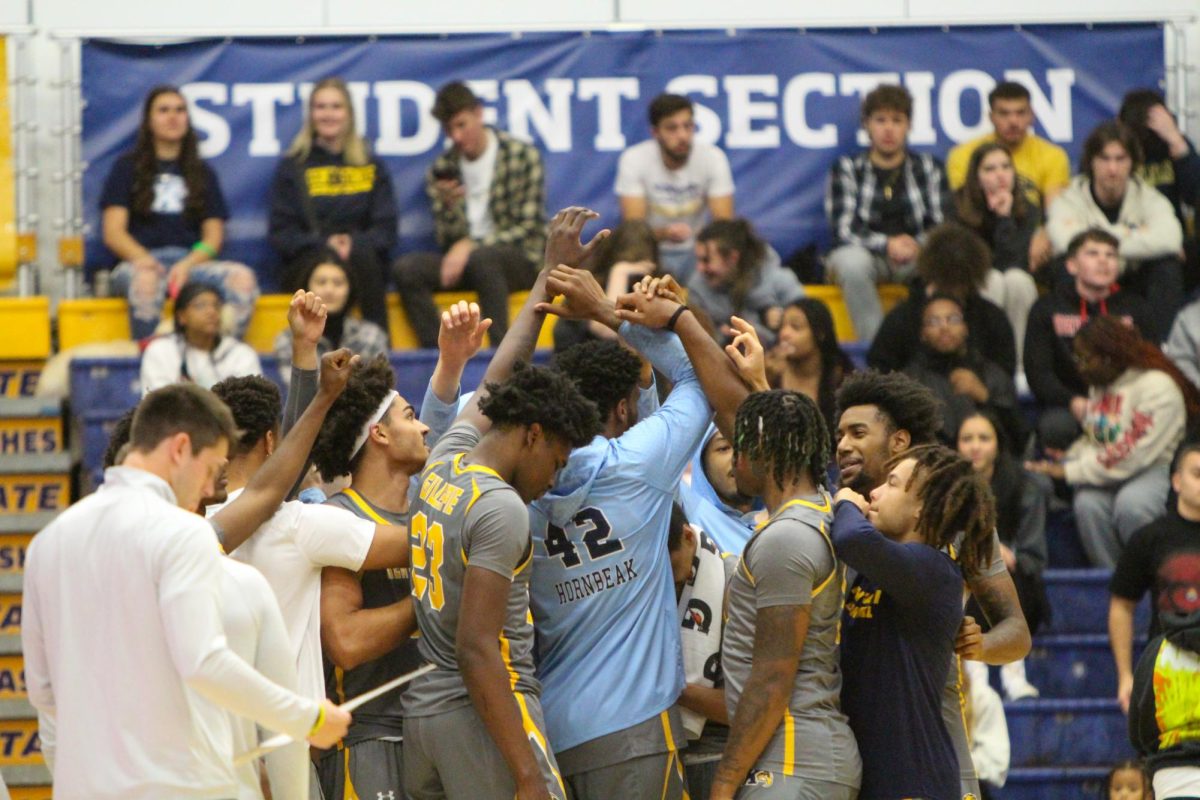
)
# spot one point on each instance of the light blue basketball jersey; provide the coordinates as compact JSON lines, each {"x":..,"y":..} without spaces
{"x":704,"y":508}
{"x":602,"y":595}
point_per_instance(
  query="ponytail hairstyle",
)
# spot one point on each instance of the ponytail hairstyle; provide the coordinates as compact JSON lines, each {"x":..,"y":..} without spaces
{"x":957,"y":506}
{"x":354,"y":148}
{"x":737,"y":236}
{"x":145,"y":165}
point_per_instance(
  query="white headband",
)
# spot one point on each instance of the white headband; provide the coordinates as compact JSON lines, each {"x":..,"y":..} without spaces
{"x":373,"y":421}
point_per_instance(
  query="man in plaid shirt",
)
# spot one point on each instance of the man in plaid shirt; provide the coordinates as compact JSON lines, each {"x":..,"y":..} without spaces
{"x":880,"y":204}
{"x":487,"y":194}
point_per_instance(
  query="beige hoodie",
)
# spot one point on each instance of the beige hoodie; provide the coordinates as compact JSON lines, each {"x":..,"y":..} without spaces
{"x":1135,"y":422}
{"x":1146,"y":226}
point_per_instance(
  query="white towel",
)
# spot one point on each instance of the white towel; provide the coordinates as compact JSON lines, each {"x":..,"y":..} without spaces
{"x":700,"y":612}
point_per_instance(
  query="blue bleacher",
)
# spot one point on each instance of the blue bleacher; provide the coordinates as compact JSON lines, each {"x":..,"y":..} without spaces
{"x":103,"y":389}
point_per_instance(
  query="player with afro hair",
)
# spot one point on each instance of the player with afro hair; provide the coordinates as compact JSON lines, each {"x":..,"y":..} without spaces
{"x":608,"y":374}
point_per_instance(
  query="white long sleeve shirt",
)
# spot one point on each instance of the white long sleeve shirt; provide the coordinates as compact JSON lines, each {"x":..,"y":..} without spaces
{"x":289,"y":550}
{"x":126,"y":655}
{"x":254,"y":628}
{"x":166,"y":358}
{"x":1146,"y":225}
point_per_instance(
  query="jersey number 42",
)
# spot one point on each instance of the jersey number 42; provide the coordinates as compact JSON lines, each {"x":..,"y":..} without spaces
{"x":593,"y":528}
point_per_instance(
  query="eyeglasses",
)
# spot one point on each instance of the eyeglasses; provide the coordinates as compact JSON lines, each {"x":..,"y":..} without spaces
{"x":942,"y":322}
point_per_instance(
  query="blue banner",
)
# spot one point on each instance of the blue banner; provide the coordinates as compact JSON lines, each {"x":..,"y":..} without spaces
{"x":782,"y":103}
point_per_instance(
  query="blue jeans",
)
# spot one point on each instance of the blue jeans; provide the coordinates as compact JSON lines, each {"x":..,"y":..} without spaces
{"x":146,"y":290}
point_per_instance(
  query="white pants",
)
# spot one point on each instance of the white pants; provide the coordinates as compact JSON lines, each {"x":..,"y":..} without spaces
{"x":1014,"y":291}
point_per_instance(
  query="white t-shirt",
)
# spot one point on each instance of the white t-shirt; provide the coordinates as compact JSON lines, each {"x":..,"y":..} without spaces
{"x":477,"y":180}
{"x":164,"y":360}
{"x":674,"y":195}
{"x":126,"y":657}
{"x":289,"y":550}
{"x":255,"y":631}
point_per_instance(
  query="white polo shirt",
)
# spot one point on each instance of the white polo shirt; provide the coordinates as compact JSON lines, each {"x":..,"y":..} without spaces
{"x":125,"y":653}
{"x":289,"y":550}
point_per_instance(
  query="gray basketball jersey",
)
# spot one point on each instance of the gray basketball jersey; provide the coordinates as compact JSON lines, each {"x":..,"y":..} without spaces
{"x":464,"y":514}
{"x":790,"y":561}
{"x":382,"y":717}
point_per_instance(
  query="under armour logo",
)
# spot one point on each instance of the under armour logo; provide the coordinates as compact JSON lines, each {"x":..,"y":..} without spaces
{"x":391,"y":795}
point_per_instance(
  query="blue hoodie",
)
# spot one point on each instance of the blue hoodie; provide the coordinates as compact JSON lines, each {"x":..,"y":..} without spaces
{"x":602,"y":594}
{"x":705,"y":509}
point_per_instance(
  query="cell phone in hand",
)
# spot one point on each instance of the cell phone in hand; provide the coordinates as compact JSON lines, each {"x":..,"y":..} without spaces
{"x":447,"y":172}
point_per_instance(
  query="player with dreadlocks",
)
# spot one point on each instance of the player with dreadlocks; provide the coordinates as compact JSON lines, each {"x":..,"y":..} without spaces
{"x":881,"y":415}
{"x":904,"y":611}
{"x":373,"y":435}
{"x":789,"y":737}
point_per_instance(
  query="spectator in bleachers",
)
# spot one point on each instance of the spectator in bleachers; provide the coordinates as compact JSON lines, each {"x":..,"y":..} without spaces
{"x":487,"y":195}
{"x":1109,"y":195}
{"x":1126,"y":781}
{"x":880,"y":205}
{"x":994,"y":204}
{"x":738,"y":274}
{"x":1021,"y":501}
{"x":331,"y":191}
{"x":1044,"y":165}
{"x":954,"y":262}
{"x":1056,"y":318}
{"x":807,"y":358}
{"x":674,"y":183}
{"x":629,"y":254}
{"x":163,"y":217}
{"x":962,"y":378}
{"x":1164,"y":707}
{"x":1138,"y":407}
{"x":1169,"y":160}
{"x":1160,"y":558}
{"x":196,"y":352}
{"x":326,"y":274}
{"x":1183,"y":345}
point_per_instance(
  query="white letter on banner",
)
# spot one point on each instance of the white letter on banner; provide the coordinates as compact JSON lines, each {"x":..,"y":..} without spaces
{"x":553,"y":123}
{"x":608,"y":93}
{"x":743,"y":111}
{"x":262,"y":99}
{"x":1055,"y":115}
{"x":708,"y":123}
{"x":389,"y":100}
{"x":213,"y":128}
{"x":950,"y":103}
{"x":920,"y":86}
{"x":861,"y":84}
{"x":795,"y":113}
{"x":488,"y":91}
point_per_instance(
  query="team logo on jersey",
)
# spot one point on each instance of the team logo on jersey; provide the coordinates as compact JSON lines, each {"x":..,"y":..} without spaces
{"x":391,"y":795}
{"x":760,"y":777}
{"x":698,"y":615}
{"x":970,"y":796}
{"x":170,"y":194}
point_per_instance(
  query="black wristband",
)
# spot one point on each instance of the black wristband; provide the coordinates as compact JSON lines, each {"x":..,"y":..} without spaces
{"x":675,"y":317}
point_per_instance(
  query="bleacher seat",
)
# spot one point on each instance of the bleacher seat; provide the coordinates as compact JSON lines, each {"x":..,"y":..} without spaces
{"x":92,"y":319}
{"x":24,"y":328}
{"x":889,"y":295}
{"x":1079,"y":732}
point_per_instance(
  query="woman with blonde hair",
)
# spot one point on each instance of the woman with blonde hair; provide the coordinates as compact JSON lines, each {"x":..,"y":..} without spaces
{"x":331,"y":191}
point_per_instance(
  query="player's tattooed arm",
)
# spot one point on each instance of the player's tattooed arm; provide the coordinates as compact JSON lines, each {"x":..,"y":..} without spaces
{"x":779,"y":633}
{"x":1008,"y":639}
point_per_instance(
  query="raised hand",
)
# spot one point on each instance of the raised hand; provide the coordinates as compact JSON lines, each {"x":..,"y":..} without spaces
{"x":336,"y":368}
{"x":563,"y":243}
{"x":461,"y":334}
{"x":661,"y":286}
{"x":306,"y":318}
{"x":746,"y":353}
{"x":583,"y":297}
{"x":642,"y":309}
